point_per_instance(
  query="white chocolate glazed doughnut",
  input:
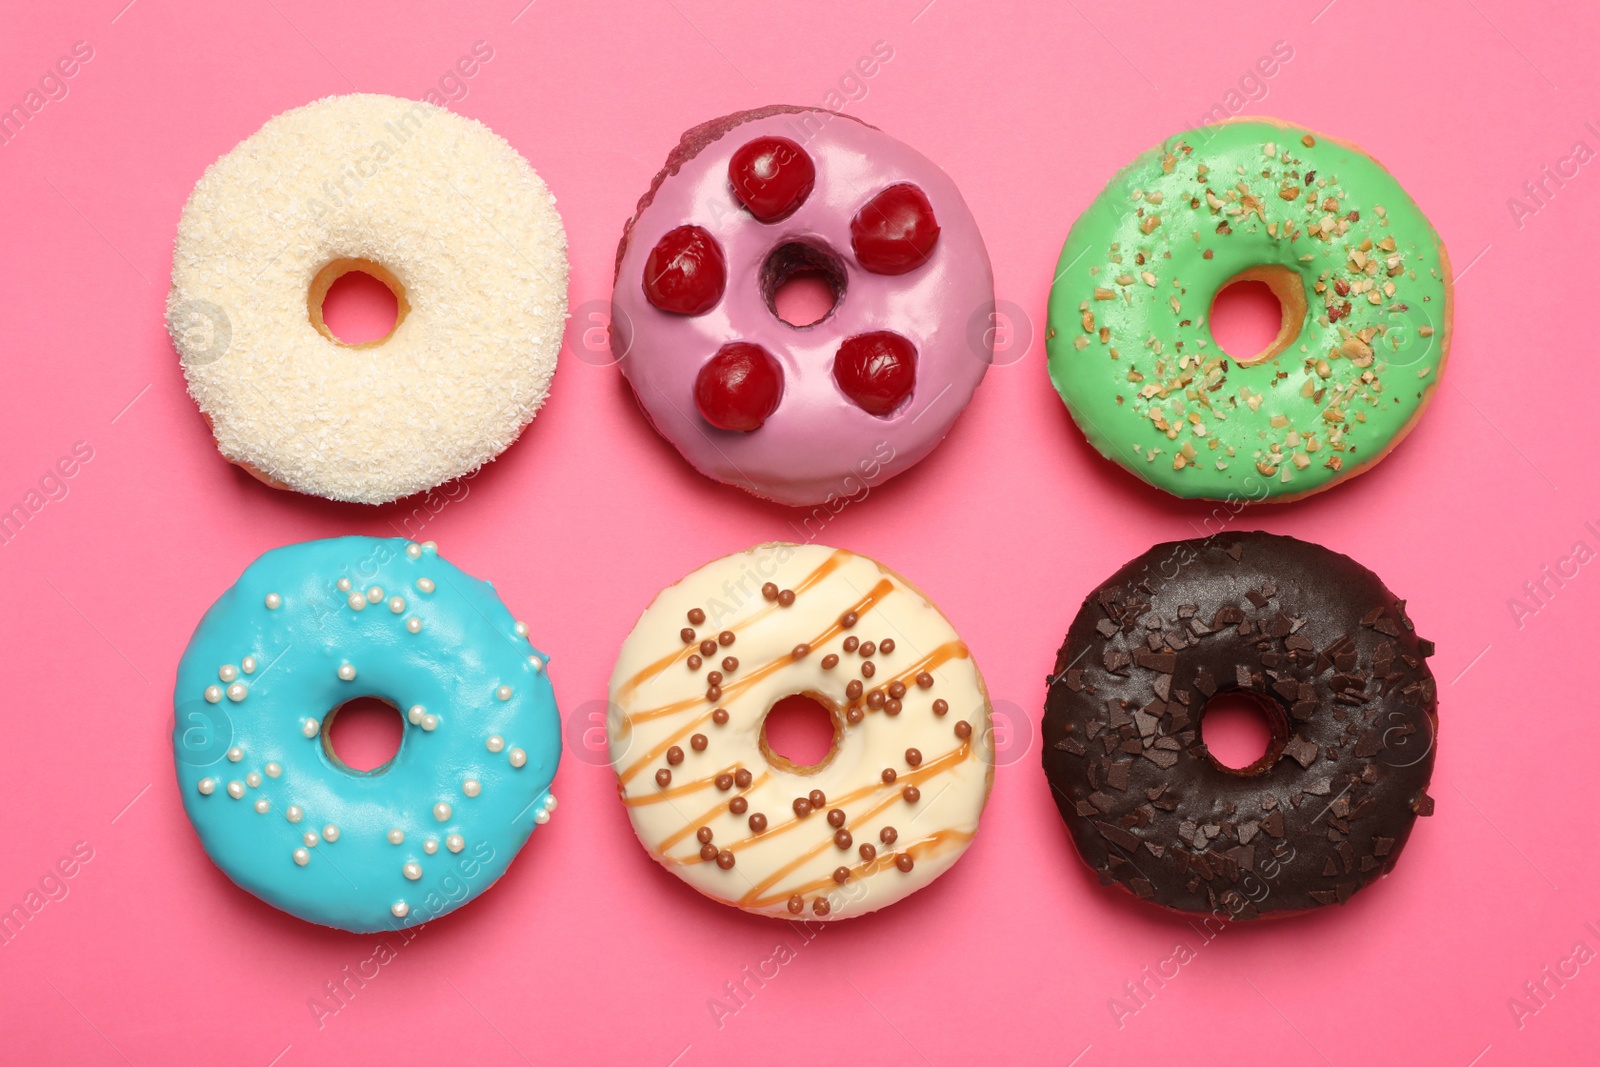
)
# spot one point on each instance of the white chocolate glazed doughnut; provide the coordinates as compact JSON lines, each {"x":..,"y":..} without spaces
{"x":897,"y":799}
{"x":436,"y":206}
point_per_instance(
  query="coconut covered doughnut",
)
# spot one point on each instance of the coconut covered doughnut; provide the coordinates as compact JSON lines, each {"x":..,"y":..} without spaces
{"x":893,"y":804}
{"x":437,"y":207}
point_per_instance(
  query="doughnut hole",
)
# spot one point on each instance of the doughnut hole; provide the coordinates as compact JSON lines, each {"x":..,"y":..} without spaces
{"x":356,"y":303}
{"x":1243,"y":732}
{"x":1260,"y":311}
{"x":801,"y":733}
{"x":362,"y":736}
{"x":801,"y":283}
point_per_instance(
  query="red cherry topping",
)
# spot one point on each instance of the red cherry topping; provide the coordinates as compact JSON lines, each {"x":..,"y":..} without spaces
{"x":895,"y":231}
{"x":739,"y":387}
{"x":876,"y":370}
{"x":686,"y":272}
{"x":772,"y":176}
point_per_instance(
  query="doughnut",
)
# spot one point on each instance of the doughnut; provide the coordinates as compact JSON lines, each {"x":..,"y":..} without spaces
{"x":802,"y":415}
{"x":308,"y":628}
{"x":1328,"y":654}
{"x":1364,"y":284}
{"x":893,"y":804}
{"x":435,"y":206}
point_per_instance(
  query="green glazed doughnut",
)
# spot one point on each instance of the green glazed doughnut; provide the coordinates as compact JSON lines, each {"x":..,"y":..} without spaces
{"x":1365,"y":286}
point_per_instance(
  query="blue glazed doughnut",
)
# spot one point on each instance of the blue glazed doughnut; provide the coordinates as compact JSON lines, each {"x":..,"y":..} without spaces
{"x":306,"y":629}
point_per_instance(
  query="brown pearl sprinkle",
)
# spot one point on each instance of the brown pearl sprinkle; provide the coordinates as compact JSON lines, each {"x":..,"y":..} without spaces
{"x":687,"y":635}
{"x":769,"y":591}
{"x":852,"y":643}
{"x":663,"y":778}
{"x":730,"y":663}
{"x":708,"y":647}
{"x":725,"y":638}
{"x":940,"y":707}
{"x":913,"y":757}
{"x":720,"y":717}
{"x":821,"y":906}
{"x":758,"y":823}
{"x":724,"y":782}
{"x":738,"y":805}
{"x":843,"y":839}
{"x":818,"y":798}
{"x":801,"y":651}
{"x":889,"y":775}
{"x":849,"y":619}
{"x":904,"y":862}
{"x":888,"y":835}
{"x":853,"y":690}
{"x":963,"y":729}
{"x":697,"y":616}
{"x":742,"y":778}
{"x":802,"y":807}
{"x":703,"y":835}
{"x":836,"y":817}
{"x":854,"y":715}
{"x":786,"y":598}
{"x":725,"y":861}
{"x":891,"y":707}
{"x":897,"y":689}
{"x":924,"y":680}
{"x":875,"y":699}
{"x":698,"y":742}
{"x":709,"y":851}
{"x":714,"y":693}
{"x":868,"y":649}
{"x":694,"y":662}
{"x":674,"y":755}
{"x":912,"y":794}
{"x":868,"y":853}
{"x":797,"y":904}
{"x":714,"y":678}
{"x":868,"y":669}
{"x":830,"y":661}
{"x":841,"y":874}
{"x":886,"y":646}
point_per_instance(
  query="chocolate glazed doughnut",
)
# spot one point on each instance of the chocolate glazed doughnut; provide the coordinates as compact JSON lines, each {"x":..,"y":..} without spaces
{"x":1330,"y":655}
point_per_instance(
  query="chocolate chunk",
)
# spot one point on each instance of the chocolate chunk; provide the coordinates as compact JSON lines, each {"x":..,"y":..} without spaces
{"x":1106,"y":627}
{"x":1301,"y":751}
{"x":1272,"y":825}
{"x":1161,"y":662}
{"x":1117,"y":836}
{"x":1204,"y":682}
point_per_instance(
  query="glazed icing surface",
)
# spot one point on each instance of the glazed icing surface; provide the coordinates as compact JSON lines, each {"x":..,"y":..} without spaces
{"x":694,"y":780}
{"x":817,"y":444}
{"x":1130,"y":347}
{"x":281,"y":814}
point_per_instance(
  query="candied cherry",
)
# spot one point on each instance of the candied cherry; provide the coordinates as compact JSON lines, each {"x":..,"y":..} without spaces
{"x":895,"y":231}
{"x":771,"y":176}
{"x":876,"y":370}
{"x":739,"y":387}
{"x":685,"y":272}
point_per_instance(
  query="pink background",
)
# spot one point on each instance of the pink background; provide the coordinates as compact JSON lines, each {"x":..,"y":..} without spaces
{"x":587,"y":951}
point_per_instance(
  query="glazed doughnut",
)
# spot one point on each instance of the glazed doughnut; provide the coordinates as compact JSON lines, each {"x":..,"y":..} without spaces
{"x":1362,"y":277}
{"x":894,"y":803}
{"x":437,"y":207}
{"x":308,"y":628}
{"x":811,"y":414}
{"x":1326,"y":651}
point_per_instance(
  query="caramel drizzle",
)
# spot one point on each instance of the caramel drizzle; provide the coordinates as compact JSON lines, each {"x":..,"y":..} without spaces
{"x":827,"y":567}
{"x":733,"y":689}
{"x":680,"y":790}
{"x":920,"y":849}
{"x":700,"y":820}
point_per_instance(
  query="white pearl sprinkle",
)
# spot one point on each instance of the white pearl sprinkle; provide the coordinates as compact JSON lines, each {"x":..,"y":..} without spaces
{"x":541,"y":816}
{"x":430,"y":722}
{"x":236,"y":789}
{"x":293,"y":813}
{"x":397,"y":836}
{"x":237,"y":692}
{"x":227,"y":672}
{"x":262,"y":806}
{"x":248,"y":665}
{"x":375,"y":594}
{"x":400,"y":909}
{"x":495,"y":743}
{"x":425,"y":585}
{"x":431,"y":546}
{"x":302,"y":857}
{"x":430,"y":846}
{"x":330,"y":833}
{"x":550,"y":802}
{"x":414,"y":625}
{"x":310,"y":727}
{"x":471,"y":787}
{"x":357,"y":602}
{"x":213,"y":693}
{"x":517,"y":757}
{"x":412,"y":871}
{"x":273,"y":769}
{"x":503,"y":693}
{"x":343,"y":584}
{"x":310,"y":838}
{"x":442,"y":811}
{"x":455,"y":843}
{"x":207,"y":786}
{"x":274,"y":601}
{"x":235,"y":754}
{"x":415,"y":713}
{"x":253,"y":780}
{"x":397,"y":604}
{"x":536,"y":663}
{"x":414,"y":551}
{"x":347,"y":672}
{"x":521,"y":628}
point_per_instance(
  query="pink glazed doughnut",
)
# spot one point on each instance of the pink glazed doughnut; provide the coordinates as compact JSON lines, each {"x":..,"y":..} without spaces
{"x":816,"y":414}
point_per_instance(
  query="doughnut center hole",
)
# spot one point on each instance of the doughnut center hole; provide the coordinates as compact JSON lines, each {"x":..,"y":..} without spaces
{"x":356,"y":303}
{"x":1243,"y":732}
{"x":800,"y":733}
{"x":363,"y":735}
{"x":801,"y":283}
{"x":1257,"y":314}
